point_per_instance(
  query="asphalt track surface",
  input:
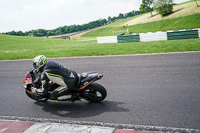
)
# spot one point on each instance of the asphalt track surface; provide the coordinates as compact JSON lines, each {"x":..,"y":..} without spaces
{"x":153,"y":90}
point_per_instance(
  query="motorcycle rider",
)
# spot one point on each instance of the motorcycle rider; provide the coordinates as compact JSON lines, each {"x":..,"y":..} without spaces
{"x":50,"y":70}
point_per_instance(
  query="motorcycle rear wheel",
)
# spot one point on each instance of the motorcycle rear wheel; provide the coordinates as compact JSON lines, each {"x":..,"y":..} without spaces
{"x":95,"y":93}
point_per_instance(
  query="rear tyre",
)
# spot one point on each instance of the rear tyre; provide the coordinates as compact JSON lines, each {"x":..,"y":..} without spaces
{"x":95,"y":93}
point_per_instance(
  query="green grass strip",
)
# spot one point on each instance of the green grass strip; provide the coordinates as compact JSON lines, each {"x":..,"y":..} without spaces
{"x":13,"y":47}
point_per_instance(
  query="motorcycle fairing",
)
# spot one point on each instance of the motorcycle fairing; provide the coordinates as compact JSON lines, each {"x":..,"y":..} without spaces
{"x":87,"y":78}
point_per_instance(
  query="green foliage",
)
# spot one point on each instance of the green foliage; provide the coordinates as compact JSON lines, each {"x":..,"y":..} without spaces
{"x":163,"y":7}
{"x":121,"y":16}
{"x":15,"y":47}
{"x":109,"y":19}
{"x":146,"y":6}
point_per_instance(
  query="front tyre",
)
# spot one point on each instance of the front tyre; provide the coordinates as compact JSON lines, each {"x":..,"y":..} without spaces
{"x":95,"y":92}
{"x":39,"y":99}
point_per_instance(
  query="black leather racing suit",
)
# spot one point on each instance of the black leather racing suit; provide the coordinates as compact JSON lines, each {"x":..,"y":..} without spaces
{"x":56,"y":73}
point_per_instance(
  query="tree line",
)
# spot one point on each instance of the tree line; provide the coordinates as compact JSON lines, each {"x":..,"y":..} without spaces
{"x":74,"y":28}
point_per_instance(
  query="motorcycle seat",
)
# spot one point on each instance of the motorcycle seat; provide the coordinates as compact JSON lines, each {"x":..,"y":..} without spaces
{"x":84,"y":75}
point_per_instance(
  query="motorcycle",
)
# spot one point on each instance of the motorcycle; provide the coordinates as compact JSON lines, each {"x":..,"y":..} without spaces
{"x":87,"y":89}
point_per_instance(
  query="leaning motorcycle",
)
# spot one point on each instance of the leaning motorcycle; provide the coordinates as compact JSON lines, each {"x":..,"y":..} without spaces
{"x":87,"y":89}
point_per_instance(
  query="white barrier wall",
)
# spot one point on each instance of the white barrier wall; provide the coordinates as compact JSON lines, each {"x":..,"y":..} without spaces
{"x":152,"y":36}
{"x":107,"y":39}
{"x":157,"y":36}
{"x":199,"y":32}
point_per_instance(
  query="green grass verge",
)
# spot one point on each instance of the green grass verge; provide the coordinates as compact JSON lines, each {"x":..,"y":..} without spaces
{"x":187,"y":22}
{"x":13,"y":47}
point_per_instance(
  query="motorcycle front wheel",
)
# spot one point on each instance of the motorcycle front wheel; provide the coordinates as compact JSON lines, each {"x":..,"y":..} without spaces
{"x":39,"y":99}
{"x":94,"y":92}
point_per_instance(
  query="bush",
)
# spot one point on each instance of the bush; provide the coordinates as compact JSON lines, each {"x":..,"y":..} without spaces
{"x":165,"y":10}
{"x":163,"y":7}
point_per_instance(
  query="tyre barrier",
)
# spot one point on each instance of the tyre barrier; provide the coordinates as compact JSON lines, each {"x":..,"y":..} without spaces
{"x":151,"y":36}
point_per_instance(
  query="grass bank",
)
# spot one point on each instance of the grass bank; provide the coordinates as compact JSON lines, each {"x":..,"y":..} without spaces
{"x":187,"y":22}
{"x":13,"y":47}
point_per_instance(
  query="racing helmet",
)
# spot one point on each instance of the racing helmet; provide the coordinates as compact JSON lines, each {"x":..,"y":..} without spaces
{"x":38,"y":62}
